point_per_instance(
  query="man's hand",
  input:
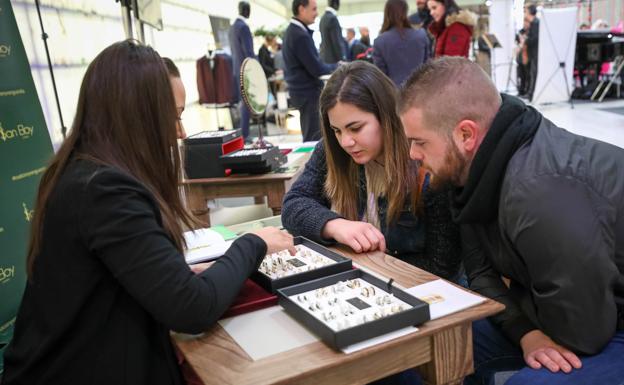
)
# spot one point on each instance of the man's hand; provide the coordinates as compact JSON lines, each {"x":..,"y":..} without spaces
{"x":360,"y":236}
{"x":539,"y":350}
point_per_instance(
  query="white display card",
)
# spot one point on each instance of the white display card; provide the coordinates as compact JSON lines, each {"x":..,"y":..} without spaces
{"x":444,"y":298}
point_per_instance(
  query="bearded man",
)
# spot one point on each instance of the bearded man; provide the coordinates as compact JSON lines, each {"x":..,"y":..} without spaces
{"x":538,"y":206}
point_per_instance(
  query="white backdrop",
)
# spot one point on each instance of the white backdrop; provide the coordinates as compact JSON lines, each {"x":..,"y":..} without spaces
{"x":502,"y":25}
{"x":557,"y":43}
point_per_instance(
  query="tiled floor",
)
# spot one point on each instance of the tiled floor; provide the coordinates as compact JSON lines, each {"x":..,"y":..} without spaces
{"x":589,"y":119}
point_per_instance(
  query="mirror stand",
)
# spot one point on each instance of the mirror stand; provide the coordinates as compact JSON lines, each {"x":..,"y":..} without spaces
{"x":260,"y":142}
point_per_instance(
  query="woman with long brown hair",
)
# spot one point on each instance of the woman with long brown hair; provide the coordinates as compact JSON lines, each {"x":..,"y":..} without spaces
{"x":107,"y":279}
{"x":361,"y":189}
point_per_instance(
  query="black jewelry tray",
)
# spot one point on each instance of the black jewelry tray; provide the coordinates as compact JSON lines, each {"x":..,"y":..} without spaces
{"x":342,"y":264}
{"x":416,"y":315}
{"x":253,"y":161}
{"x":251,"y":155}
{"x":206,"y":137}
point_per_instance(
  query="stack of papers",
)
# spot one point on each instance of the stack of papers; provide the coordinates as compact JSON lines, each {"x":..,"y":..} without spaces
{"x":204,"y":245}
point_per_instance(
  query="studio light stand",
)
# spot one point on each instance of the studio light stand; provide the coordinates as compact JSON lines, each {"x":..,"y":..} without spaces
{"x":561,"y":68}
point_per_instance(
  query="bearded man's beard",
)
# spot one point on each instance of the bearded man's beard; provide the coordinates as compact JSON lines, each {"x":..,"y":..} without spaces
{"x":450,"y":174}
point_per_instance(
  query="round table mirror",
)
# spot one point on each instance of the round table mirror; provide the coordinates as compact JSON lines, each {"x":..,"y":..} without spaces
{"x":254,"y":86}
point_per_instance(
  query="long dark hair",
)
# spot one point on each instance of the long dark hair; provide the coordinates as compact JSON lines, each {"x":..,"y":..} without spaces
{"x":364,"y":86}
{"x":450,"y":7}
{"x":125,"y":118}
{"x":395,"y":15}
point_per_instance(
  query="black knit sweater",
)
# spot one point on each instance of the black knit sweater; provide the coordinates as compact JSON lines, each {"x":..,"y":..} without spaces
{"x":429,"y":241}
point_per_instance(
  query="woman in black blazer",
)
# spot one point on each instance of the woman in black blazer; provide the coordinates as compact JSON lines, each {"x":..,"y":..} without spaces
{"x":107,"y":279}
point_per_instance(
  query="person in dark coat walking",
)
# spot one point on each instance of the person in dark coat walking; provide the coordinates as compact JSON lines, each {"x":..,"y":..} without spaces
{"x":422,"y":17}
{"x":333,"y":48}
{"x":107,"y":278}
{"x":265,"y":56}
{"x":354,"y":46}
{"x":304,"y":67}
{"x":532,"y":45}
{"x":241,"y":44}
{"x":399,"y":49}
{"x":539,"y":206}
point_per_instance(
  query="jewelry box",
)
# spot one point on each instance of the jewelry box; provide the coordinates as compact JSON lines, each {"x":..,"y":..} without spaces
{"x":352,"y":306}
{"x":312,"y":261}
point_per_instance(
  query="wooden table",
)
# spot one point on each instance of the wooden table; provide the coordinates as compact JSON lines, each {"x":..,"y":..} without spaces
{"x":273,"y":186}
{"x":442,"y":349}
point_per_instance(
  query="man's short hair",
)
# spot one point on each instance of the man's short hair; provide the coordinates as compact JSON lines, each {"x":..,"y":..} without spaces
{"x":296,"y":4}
{"x":448,"y":90}
{"x":171,"y":67}
{"x":244,"y":8}
{"x":532,"y":9}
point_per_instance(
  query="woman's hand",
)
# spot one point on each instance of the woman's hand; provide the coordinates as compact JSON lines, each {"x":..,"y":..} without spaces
{"x":360,"y":236}
{"x":276,"y":240}
{"x":200,"y":267}
{"x":539,"y":350}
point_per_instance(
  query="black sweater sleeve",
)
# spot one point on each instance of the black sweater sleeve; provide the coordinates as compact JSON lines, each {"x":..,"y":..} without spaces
{"x":306,"y":208}
{"x":443,"y":242}
{"x":121,"y":226}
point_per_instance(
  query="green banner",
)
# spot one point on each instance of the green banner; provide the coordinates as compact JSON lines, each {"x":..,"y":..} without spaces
{"x":25,"y":149}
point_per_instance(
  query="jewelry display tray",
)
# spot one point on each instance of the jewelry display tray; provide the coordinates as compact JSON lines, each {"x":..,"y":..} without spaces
{"x":342,"y":264}
{"x":416,"y":315}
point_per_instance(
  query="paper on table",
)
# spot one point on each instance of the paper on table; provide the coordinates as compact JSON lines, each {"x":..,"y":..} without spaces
{"x":204,"y":245}
{"x":444,"y":298}
{"x":258,"y":340}
{"x":255,"y":332}
{"x":377,"y":340}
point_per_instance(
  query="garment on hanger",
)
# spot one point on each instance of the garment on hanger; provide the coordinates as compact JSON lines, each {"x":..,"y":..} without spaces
{"x":214,"y":78}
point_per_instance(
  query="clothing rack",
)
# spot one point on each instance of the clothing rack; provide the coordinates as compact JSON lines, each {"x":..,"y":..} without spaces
{"x":211,"y":56}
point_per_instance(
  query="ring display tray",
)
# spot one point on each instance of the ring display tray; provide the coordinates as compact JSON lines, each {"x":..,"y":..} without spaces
{"x":312,"y":261}
{"x":205,"y":137}
{"x":351,"y":307}
{"x":253,"y":160}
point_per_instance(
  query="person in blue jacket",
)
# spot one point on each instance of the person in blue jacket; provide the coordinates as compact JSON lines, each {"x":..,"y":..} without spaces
{"x":399,"y":49}
{"x":303,"y":67}
{"x":241,"y":44}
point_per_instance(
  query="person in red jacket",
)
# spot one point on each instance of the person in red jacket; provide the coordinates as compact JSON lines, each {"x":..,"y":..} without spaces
{"x":452,"y":28}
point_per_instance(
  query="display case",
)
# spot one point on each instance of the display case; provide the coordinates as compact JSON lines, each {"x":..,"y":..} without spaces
{"x":202,"y":152}
{"x":312,"y":261}
{"x":351,"y":307}
{"x":253,"y":160}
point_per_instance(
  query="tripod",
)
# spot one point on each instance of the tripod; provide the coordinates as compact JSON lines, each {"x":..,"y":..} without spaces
{"x":561,"y":68}
{"x":509,"y":77}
